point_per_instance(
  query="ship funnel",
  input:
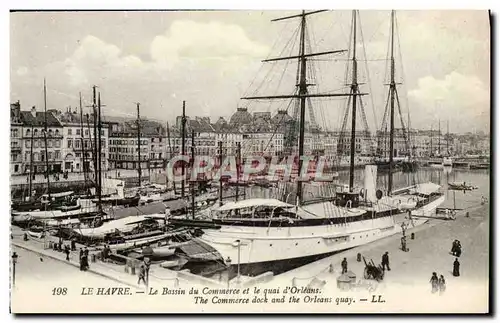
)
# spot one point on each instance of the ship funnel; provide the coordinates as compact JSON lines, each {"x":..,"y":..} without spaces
{"x":371,"y":182}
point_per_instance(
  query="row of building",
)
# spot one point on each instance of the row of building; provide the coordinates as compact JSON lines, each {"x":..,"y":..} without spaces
{"x":70,"y":140}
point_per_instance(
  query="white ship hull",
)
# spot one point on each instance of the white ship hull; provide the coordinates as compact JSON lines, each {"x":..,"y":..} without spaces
{"x":266,"y":244}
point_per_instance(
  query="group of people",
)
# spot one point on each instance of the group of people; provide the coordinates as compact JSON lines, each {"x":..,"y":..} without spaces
{"x":84,"y":259}
{"x":456,"y":248}
{"x":438,"y":284}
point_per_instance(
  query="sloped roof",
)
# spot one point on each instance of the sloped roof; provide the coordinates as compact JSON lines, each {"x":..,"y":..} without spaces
{"x":240,"y":117}
{"x":38,"y":120}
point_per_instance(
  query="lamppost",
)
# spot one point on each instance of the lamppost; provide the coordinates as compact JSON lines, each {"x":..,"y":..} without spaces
{"x":14,"y":261}
{"x":239,"y":249}
{"x":228,"y":264}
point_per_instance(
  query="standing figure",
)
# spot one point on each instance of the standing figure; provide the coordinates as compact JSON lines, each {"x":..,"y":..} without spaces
{"x":442,"y":284}
{"x":434,"y":283}
{"x":385,"y":261}
{"x":147,"y":265}
{"x":403,"y":243}
{"x":456,"y":268}
{"x":142,"y":275}
{"x":454,"y":248}
{"x":81,"y":259}
{"x":458,"y":250}
{"x":344,"y":266}
{"x":66,"y":251}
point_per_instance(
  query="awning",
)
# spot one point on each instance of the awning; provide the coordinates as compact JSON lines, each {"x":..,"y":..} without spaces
{"x":254,"y":203}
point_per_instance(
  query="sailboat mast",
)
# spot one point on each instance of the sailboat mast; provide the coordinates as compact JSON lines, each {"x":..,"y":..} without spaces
{"x":192,"y":183}
{"x":99,"y":152}
{"x":183,"y":144}
{"x":238,"y":163}
{"x":447,"y":137}
{"x":30,"y":180}
{"x":94,"y":149}
{"x":392,"y":94}
{"x":354,"y":91}
{"x":170,"y":156}
{"x":302,"y":93}
{"x":82,"y":138}
{"x":430,"y":155}
{"x":439,"y":138}
{"x":47,"y":171}
{"x":139,"y":142}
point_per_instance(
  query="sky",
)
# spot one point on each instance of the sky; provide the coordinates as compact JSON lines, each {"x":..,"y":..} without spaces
{"x":211,"y":59}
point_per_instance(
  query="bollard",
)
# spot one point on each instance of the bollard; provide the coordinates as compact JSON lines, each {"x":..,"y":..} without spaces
{"x":93,"y":257}
{"x":358,"y":257}
{"x":132,"y":270}
{"x":467,"y":214}
{"x":413,"y":235}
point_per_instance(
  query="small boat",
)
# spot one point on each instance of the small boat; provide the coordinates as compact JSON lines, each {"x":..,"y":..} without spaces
{"x":175,"y":264}
{"x":459,"y":186}
{"x":447,"y":162}
{"x":35,"y":232}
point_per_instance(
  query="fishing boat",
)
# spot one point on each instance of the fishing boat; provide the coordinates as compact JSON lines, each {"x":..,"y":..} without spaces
{"x":461,"y":186}
{"x":258,"y":235}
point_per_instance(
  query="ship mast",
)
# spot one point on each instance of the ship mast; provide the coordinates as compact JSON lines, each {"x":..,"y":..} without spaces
{"x":392,"y":93}
{"x":303,"y":93}
{"x":47,"y":171}
{"x":354,"y":91}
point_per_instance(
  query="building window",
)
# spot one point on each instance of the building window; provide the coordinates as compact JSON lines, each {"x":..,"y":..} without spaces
{"x":78,"y":132}
{"x":70,"y":142}
{"x":70,"y":132}
{"x":57,"y":132}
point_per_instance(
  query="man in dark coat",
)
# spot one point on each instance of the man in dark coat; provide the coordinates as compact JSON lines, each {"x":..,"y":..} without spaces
{"x":434,"y":283}
{"x":458,"y":249}
{"x":456,"y":268}
{"x":385,"y":261}
{"x":344,"y":266}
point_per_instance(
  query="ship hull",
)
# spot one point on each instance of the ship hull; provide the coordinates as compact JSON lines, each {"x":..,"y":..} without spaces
{"x":261,"y":246}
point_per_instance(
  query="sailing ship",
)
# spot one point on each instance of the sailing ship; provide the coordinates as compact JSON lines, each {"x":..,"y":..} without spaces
{"x":258,"y":235}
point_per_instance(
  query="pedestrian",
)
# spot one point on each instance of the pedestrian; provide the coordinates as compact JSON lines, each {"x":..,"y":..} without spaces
{"x":403,"y":244}
{"x":434,"y":283}
{"x":344,"y":266}
{"x":456,"y":268}
{"x":442,"y":284}
{"x":385,"y":261}
{"x":458,"y":250}
{"x":81,"y":260}
{"x":147,"y":265}
{"x":66,"y":251}
{"x":142,"y":275}
{"x":454,"y":248}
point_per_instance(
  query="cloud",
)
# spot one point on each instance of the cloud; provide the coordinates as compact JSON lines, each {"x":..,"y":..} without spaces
{"x":189,"y":40}
{"x":190,"y":61}
{"x":463,"y":100}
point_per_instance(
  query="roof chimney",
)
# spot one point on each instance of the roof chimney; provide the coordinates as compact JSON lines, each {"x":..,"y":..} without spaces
{"x":33,"y":111}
